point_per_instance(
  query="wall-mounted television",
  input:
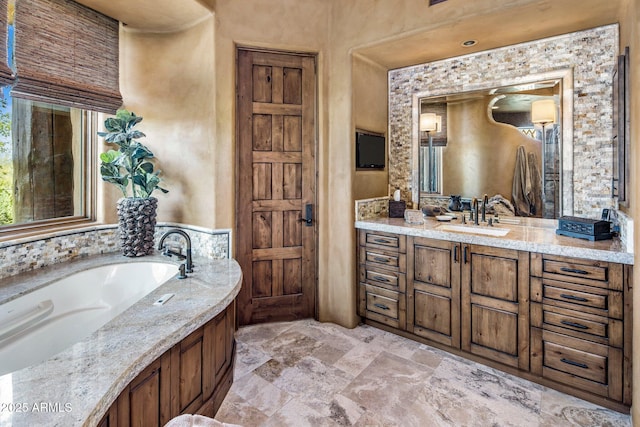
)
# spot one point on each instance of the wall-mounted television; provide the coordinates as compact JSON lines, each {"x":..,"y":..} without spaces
{"x":370,"y":150}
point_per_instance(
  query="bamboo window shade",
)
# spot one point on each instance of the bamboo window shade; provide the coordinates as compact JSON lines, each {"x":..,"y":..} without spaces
{"x":66,"y":54}
{"x":6,"y":74}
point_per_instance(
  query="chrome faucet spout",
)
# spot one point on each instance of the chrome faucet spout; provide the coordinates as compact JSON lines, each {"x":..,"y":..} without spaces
{"x":189,"y":261}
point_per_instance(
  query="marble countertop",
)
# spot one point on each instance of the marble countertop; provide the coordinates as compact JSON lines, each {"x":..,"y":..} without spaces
{"x":78,"y":385}
{"x":533,"y":235}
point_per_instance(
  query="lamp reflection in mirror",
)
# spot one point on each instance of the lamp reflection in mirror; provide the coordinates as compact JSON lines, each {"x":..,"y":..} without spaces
{"x":430,"y":122}
{"x":543,"y":112}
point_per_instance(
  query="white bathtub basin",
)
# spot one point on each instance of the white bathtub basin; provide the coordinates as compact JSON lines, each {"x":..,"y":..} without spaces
{"x":40,"y":324}
{"x":497,"y":232}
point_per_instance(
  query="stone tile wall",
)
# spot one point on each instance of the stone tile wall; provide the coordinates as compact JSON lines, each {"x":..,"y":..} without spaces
{"x":590,"y":55}
{"x":27,"y":254}
{"x":372,"y":208}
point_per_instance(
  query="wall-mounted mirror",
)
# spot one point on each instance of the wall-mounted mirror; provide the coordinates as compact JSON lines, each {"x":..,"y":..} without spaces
{"x":506,"y":142}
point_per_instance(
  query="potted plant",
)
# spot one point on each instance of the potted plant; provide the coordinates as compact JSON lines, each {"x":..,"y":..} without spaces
{"x":129,"y":168}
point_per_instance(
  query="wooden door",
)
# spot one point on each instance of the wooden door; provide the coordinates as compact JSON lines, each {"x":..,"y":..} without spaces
{"x":276,"y":182}
{"x":495,"y":304}
{"x":433,"y":290}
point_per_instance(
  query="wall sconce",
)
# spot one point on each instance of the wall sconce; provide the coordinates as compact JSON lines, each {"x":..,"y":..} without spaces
{"x":431,"y":122}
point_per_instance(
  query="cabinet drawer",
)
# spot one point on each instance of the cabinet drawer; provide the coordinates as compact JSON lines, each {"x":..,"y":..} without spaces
{"x":578,"y":363}
{"x":575,"y":362}
{"x":383,"y":240}
{"x":382,"y":305}
{"x":573,"y":269}
{"x":575,"y":296}
{"x":384,"y":278}
{"x":572,"y":323}
{"x":388,"y":259}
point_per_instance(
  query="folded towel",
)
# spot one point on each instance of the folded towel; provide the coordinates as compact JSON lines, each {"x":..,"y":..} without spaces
{"x":188,"y":420}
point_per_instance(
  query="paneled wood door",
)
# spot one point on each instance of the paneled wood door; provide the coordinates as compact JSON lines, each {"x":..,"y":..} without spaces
{"x":276,"y":184}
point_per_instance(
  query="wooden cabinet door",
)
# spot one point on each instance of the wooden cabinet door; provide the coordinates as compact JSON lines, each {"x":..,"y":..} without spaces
{"x":187,"y":368}
{"x":146,"y":400}
{"x":433,"y":292}
{"x":275,"y":186}
{"x":495,"y":304}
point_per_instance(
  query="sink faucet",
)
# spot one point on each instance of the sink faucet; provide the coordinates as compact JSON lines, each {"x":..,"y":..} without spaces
{"x":168,"y":252}
{"x":474,"y":209}
{"x":485,"y":200}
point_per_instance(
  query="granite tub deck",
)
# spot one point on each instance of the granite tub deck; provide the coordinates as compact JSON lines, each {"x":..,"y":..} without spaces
{"x":533,"y":235}
{"x":78,"y":385}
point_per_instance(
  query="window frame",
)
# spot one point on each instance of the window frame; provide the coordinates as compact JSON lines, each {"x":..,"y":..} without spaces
{"x":89,"y":124}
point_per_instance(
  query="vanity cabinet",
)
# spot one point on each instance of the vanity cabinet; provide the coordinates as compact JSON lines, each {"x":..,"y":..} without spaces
{"x":580,"y":318}
{"x":382,"y":283}
{"x":433,"y":290}
{"x":495,"y":304}
{"x":192,"y":377}
{"x":560,"y":321}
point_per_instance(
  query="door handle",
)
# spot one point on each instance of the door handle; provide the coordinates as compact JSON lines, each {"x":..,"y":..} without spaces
{"x":308,"y":215}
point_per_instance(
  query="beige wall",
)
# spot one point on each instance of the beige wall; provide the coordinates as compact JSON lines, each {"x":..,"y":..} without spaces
{"x":370,"y":113}
{"x":480,"y":155}
{"x":175,"y":98}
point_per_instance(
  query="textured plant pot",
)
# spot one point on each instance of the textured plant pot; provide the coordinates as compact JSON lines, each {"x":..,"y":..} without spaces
{"x":137,"y":225}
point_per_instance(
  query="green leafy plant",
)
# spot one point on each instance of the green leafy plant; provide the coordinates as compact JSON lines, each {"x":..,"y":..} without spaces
{"x":129,"y":166}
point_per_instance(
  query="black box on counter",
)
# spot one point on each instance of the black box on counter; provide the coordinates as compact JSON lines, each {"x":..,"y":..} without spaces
{"x":396,"y":209}
{"x":584,"y":228}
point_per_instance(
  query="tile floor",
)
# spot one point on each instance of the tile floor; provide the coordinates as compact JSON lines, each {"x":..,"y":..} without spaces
{"x":307,"y":373}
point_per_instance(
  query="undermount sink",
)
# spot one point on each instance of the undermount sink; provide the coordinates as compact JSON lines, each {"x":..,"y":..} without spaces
{"x":498,"y":232}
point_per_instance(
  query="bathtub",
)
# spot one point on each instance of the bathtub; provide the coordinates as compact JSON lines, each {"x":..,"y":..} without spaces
{"x":44,"y":322}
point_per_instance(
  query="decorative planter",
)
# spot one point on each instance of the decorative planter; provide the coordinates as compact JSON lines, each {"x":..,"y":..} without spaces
{"x":137,"y":224}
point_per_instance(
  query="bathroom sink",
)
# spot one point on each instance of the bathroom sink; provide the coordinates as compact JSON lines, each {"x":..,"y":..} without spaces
{"x":498,"y":232}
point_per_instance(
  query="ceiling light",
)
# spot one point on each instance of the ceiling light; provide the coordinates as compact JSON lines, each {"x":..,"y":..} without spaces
{"x":469,"y":43}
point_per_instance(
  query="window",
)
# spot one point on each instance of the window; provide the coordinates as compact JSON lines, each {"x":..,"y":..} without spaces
{"x":44,"y":163}
{"x":61,"y":64}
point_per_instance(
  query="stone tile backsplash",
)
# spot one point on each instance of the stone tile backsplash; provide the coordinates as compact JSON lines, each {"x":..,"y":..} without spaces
{"x":372,"y":208}
{"x":590,"y":55}
{"x":28,"y":254}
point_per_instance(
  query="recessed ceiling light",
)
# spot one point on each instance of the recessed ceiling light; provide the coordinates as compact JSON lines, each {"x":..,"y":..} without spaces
{"x":469,"y":43}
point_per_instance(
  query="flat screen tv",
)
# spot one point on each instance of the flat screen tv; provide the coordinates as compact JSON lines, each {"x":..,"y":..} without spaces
{"x":370,"y":150}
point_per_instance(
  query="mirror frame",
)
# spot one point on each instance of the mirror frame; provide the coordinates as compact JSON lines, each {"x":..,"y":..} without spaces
{"x":565,"y":76}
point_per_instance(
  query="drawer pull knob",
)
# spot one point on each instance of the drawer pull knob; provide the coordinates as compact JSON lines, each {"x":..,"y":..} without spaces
{"x":380,"y":279}
{"x":382,"y":306}
{"x":380,"y":259}
{"x":574,"y":298}
{"x":383,"y":241}
{"x":574,"y":325}
{"x":571,"y":362}
{"x":574,"y":270}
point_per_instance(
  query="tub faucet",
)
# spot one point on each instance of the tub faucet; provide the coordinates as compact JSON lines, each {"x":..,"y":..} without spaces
{"x":485,"y":200}
{"x":168,"y":252}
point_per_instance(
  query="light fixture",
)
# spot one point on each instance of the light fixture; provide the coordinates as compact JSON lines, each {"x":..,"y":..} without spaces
{"x":431,"y":122}
{"x":469,"y":43}
{"x":543,"y":112}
